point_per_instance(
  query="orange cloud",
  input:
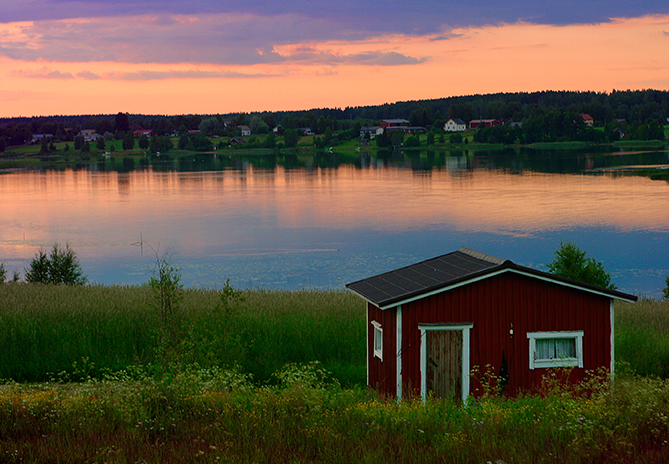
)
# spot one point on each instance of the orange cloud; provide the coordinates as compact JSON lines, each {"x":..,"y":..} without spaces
{"x":330,"y":73}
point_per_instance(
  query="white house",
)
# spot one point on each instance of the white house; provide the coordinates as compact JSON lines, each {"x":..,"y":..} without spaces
{"x":90,"y":135}
{"x":455,"y":125}
{"x":372,"y":131}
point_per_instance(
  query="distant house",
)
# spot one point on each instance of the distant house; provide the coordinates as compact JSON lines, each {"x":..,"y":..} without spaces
{"x":387,"y":123}
{"x":370,"y":132}
{"x":455,"y":125}
{"x":193,"y":132}
{"x":139,"y":132}
{"x":587,"y":119}
{"x":237,"y":141}
{"x":430,"y":323}
{"x":306,"y":131}
{"x":244,"y":130}
{"x":476,"y":123}
{"x":90,"y":135}
{"x":38,"y":138}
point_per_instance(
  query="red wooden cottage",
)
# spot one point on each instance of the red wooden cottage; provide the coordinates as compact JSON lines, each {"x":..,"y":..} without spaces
{"x":430,"y":323}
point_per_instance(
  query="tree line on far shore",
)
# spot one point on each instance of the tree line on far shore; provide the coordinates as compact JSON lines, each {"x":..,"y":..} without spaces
{"x":546,"y":117}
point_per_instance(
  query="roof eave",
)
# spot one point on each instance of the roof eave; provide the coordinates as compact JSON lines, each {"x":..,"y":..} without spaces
{"x":508,"y":266}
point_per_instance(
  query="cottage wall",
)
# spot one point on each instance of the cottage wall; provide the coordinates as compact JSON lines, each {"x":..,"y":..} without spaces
{"x":497,"y":305}
{"x":382,"y":374}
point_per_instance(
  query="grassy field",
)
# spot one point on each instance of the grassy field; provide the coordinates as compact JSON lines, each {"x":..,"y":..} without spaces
{"x":74,"y":332}
{"x":275,"y":376}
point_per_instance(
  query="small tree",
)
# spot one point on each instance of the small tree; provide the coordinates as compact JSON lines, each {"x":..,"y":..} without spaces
{"x":396,"y":138}
{"x":412,"y":141}
{"x":167,"y":294}
{"x":128,"y":141}
{"x":61,"y":266}
{"x":291,"y":138}
{"x":665,"y":290}
{"x":143,"y":142}
{"x":571,"y":262}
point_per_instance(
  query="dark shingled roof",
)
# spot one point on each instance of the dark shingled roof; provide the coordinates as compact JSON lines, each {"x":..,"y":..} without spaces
{"x":394,"y":287}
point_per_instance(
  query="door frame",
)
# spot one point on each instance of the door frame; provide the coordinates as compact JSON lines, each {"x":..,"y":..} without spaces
{"x":424,"y":328}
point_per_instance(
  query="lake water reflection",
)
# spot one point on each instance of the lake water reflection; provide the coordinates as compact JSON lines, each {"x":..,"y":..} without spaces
{"x":322,"y":221}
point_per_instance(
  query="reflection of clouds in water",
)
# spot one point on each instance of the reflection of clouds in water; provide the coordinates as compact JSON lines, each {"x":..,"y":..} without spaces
{"x":325,"y":227}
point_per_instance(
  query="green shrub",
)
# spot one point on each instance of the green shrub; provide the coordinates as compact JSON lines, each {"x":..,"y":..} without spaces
{"x":60,"y":266}
{"x":571,"y":262}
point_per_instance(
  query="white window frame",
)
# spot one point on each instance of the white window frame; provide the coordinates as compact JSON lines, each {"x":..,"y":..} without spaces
{"x":577,"y":361}
{"x":377,"y":340}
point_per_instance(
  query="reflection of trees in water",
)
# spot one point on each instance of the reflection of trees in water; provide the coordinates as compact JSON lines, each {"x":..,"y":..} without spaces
{"x":508,"y":159}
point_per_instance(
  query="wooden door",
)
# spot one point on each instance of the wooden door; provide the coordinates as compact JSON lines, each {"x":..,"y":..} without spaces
{"x":444,"y":363}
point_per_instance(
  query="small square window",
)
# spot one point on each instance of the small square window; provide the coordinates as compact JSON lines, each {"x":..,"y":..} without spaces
{"x":556,"y":349}
{"x":378,"y":340}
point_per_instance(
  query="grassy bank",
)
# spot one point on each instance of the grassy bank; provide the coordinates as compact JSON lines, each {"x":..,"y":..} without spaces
{"x":48,"y":331}
{"x":30,"y":156}
{"x":642,"y":336}
{"x":216,"y":416}
{"x":75,"y":332}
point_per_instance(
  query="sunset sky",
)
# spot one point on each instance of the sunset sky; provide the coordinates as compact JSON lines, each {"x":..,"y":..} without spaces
{"x":211,"y":56}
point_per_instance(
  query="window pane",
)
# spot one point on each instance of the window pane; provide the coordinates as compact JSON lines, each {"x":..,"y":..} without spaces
{"x":555,"y":348}
{"x":565,"y":348}
{"x":544,"y":349}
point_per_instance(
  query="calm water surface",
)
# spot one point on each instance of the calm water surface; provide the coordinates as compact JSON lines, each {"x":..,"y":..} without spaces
{"x":301,"y":222}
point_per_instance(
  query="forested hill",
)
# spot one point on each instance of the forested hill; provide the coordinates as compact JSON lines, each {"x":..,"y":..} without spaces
{"x":650,"y":107}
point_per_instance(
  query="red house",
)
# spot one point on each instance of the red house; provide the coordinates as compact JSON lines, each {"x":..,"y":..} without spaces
{"x":386,"y":123}
{"x":430,"y":323}
{"x":139,"y":132}
{"x":476,"y":123}
{"x":587,"y":119}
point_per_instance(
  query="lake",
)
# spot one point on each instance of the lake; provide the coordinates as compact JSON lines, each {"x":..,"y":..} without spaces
{"x":323,"y":220}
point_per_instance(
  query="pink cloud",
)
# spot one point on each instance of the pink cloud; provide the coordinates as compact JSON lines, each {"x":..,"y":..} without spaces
{"x":42,"y":73}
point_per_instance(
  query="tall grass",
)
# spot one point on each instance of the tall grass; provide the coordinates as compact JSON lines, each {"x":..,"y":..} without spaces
{"x":76,"y":332}
{"x":642,"y":336}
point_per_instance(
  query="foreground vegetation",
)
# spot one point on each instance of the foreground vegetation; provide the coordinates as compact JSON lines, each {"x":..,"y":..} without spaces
{"x":260,"y":376}
{"x":218,"y":416}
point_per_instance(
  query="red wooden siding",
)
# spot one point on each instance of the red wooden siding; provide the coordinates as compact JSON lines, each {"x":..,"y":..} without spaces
{"x":382,"y":374}
{"x":496,"y":305}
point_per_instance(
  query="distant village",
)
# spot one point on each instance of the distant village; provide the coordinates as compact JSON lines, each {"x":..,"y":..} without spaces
{"x":523,"y":118}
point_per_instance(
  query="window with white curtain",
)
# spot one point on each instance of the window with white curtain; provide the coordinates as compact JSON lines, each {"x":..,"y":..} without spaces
{"x":556,"y":349}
